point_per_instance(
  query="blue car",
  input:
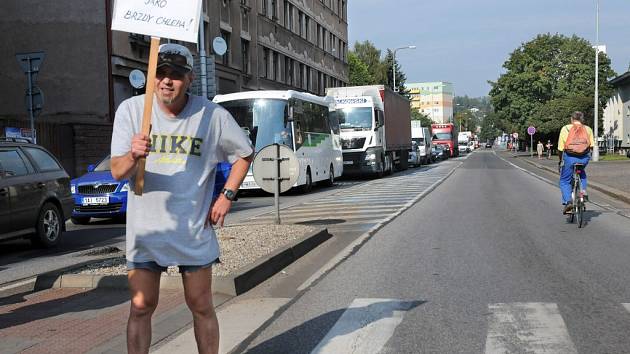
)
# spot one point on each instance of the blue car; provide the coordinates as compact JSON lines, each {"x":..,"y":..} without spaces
{"x":98,"y":195}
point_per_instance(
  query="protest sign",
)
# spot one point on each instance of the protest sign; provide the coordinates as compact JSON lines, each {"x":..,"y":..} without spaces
{"x":174,"y":19}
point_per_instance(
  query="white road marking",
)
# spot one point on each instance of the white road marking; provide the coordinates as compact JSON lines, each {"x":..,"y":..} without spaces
{"x":364,"y":328}
{"x":627,"y":306}
{"x":527,"y":328}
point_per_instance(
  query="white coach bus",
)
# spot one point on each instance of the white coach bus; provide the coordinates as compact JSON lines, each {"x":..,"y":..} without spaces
{"x":304,"y":122}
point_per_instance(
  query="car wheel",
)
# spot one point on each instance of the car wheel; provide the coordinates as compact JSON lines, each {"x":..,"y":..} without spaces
{"x":80,"y":220}
{"x":48,"y":232}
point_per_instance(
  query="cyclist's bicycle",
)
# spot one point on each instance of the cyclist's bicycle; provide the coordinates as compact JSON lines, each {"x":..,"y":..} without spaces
{"x":577,"y":196}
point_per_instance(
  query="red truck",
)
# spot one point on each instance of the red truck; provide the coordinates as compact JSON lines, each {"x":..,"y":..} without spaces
{"x":445,"y":134}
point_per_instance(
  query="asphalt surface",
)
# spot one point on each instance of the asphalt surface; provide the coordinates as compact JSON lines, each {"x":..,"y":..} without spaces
{"x":484,"y":263}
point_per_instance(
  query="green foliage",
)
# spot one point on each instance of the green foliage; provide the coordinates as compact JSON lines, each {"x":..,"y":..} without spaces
{"x":401,"y":78}
{"x":467,"y":121}
{"x":490,"y":127}
{"x":423,"y":118}
{"x":548,"y":68}
{"x":371,"y":56}
{"x":359,"y":72}
{"x":461,"y":103}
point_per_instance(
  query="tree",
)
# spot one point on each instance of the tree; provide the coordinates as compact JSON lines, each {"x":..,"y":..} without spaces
{"x":490,"y":127}
{"x":423,"y":118}
{"x":371,"y":56}
{"x":359,"y":73}
{"x":549,"y":67}
{"x":467,"y":121}
{"x":401,"y":78}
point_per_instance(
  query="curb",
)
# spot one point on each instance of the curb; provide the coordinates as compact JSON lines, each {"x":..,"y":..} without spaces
{"x":245,"y":278}
{"x":610,"y":191}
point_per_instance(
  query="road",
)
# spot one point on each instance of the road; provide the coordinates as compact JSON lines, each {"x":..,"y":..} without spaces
{"x":485,"y":263}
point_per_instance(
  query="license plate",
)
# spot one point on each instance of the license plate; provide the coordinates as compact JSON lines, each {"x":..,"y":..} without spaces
{"x":347,"y":162}
{"x":249,"y":184}
{"x":95,"y":201}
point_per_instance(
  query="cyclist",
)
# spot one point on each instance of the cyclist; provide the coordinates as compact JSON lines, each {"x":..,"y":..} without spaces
{"x":574,"y":146}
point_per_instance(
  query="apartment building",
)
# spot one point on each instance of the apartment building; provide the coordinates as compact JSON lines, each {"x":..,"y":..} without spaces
{"x":617,"y":114}
{"x":435,"y":99}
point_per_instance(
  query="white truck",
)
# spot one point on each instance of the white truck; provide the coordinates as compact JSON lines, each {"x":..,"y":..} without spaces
{"x":422,"y":137}
{"x":463,"y":141}
{"x":375,"y":129}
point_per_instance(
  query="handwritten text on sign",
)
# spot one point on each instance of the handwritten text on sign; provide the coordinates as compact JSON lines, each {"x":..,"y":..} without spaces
{"x":174,"y":19}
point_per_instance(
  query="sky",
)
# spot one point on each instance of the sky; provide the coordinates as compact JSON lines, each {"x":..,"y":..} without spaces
{"x":466,"y":42}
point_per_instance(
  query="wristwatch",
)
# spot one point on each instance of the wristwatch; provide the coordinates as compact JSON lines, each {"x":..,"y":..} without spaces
{"x":228,"y":193}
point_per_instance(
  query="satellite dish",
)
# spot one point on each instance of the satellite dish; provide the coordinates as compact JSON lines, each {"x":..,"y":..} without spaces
{"x":137,"y":79}
{"x":219,"y":45}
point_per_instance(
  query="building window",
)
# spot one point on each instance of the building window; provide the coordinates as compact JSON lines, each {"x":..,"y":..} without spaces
{"x":288,"y":70}
{"x":263,"y":11}
{"x":265,"y":66}
{"x":275,"y":66}
{"x":302,"y":75}
{"x":290,"y":17}
{"x":308,"y":78}
{"x":244,"y":20}
{"x":245,"y":53}
{"x":301,"y":23}
{"x":226,"y":56}
{"x":319,"y":35}
{"x":225,"y":11}
{"x":307,"y":24}
{"x":274,"y":10}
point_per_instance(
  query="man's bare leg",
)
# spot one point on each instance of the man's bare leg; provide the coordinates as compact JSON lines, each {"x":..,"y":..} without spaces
{"x":198,"y":293}
{"x":144,"y":286}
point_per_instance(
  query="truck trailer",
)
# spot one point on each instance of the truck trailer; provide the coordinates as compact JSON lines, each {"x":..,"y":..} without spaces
{"x":375,"y":129}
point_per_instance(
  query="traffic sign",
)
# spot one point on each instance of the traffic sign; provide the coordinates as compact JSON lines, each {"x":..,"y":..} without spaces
{"x":30,"y":62}
{"x":531,"y":130}
{"x":137,"y":79}
{"x":219,"y":45}
{"x":515,"y":135}
{"x":265,"y":165}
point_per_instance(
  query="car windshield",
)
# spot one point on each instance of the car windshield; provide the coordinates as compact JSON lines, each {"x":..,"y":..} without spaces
{"x":442,"y":136}
{"x":105,"y":165}
{"x":264,"y":120}
{"x":419,"y":141}
{"x":355,"y":117}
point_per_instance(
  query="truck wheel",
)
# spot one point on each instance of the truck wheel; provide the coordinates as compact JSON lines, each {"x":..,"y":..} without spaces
{"x":331,"y":177}
{"x":403,"y":163}
{"x":308,"y":186}
{"x":48,"y":232}
{"x":389,"y":165}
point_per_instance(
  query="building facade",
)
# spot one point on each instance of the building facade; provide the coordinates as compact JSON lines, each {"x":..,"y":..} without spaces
{"x":617,"y":114}
{"x":271,"y":44}
{"x":435,"y":99}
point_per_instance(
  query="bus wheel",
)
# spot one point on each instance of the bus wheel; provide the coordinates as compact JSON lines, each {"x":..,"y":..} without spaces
{"x":308,"y":185}
{"x":331,"y":177}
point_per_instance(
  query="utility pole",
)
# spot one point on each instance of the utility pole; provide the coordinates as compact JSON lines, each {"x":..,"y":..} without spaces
{"x":596,"y":113}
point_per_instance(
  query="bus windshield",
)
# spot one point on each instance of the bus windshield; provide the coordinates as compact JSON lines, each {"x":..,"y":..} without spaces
{"x":264,"y":120}
{"x":442,"y":136}
{"x":355,"y":118}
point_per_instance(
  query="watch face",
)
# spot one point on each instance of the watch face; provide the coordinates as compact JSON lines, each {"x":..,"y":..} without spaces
{"x":229,"y":194}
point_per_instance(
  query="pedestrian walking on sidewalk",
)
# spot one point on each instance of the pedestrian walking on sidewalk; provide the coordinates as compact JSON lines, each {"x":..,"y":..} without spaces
{"x":171,"y":223}
{"x":549,"y":146}
{"x":539,"y":149}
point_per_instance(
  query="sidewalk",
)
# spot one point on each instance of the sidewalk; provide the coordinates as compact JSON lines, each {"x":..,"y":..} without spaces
{"x":609,"y":177}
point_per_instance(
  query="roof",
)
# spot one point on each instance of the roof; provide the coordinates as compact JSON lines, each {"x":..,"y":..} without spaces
{"x":273,"y":94}
{"x":621,"y":80}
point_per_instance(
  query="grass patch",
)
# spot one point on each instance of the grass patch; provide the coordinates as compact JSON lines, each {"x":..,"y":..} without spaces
{"x":612,"y":157}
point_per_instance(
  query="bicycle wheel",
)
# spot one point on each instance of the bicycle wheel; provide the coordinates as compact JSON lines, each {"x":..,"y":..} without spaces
{"x":580,"y":214}
{"x":578,"y":206}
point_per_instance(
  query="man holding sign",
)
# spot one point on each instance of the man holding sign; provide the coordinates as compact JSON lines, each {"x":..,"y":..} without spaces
{"x":169,"y":224}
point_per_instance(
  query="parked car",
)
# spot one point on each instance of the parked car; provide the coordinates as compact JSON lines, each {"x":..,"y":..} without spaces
{"x":438,"y":152}
{"x":414,"y":155}
{"x":488,"y":144}
{"x":35,"y":197}
{"x":98,"y":195}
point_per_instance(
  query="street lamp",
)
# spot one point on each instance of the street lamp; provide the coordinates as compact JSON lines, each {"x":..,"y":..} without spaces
{"x":394,"y":63}
{"x":595,"y":124}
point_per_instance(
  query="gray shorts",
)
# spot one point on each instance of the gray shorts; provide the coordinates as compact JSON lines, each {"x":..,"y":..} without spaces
{"x":154,"y":267}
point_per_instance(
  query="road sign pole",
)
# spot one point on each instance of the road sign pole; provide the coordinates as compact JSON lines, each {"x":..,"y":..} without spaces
{"x":31,"y":110}
{"x":276,"y":192}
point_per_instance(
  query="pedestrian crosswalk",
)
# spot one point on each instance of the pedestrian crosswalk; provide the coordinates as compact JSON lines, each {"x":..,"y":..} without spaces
{"x":371,"y":202}
{"x":366,"y":326}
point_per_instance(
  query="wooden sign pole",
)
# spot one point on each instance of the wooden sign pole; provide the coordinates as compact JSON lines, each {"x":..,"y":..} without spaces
{"x":148,"y":105}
